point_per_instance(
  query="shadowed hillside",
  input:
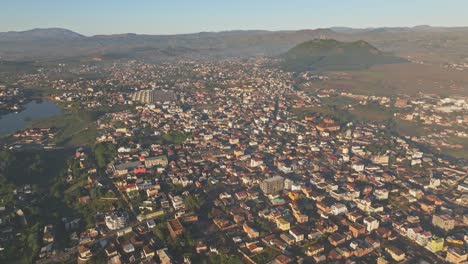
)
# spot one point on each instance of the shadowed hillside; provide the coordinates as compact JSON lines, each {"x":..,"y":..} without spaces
{"x":332,"y":55}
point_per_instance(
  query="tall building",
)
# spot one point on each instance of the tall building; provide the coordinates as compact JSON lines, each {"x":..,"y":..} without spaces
{"x":272,"y":185}
{"x":153,"y":96}
{"x":116,"y":220}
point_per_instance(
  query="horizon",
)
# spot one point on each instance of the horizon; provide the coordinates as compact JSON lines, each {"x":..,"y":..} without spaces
{"x":235,"y":30}
{"x":185,"y":17}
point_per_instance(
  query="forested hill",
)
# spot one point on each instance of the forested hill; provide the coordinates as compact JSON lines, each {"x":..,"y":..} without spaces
{"x":333,"y":55}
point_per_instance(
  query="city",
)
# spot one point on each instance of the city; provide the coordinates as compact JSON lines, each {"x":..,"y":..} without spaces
{"x":239,"y":159}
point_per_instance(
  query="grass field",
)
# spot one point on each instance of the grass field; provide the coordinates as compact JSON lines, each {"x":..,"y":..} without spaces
{"x":362,"y":113}
{"x":371,"y":113}
{"x":75,"y":128}
{"x":403,"y":78}
{"x":458,"y":153}
{"x":408,"y":128}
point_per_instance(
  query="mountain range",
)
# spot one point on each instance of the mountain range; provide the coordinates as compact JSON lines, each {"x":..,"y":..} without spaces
{"x":52,"y":44}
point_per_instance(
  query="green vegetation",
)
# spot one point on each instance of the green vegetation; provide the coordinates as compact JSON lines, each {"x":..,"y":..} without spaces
{"x":18,"y":66}
{"x":31,"y":166}
{"x":267,"y":255}
{"x":65,"y":194}
{"x":25,"y":248}
{"x":409,"y":128}
{"x":38,"y":169}
{"x":74,"y":128}
{"x":341,"y":116}
{"x":174,"y":138}
{"x":458,"y":152}
{"x":222,"y":257}
{"x":332,"y":55}
{"x":104,"y":153}
{"x":372,"y":112}
{"x":192,"y":202}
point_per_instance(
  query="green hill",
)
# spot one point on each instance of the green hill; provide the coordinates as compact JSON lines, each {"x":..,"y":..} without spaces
{"x":332,"y":55}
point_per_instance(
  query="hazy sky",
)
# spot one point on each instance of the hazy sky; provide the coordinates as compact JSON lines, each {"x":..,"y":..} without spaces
{"x":91,"y":17}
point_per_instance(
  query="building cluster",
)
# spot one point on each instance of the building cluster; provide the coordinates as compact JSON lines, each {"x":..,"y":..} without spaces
{"x":284,"y":187}
{"x":12,"y":99}
{"x":231,"y":168}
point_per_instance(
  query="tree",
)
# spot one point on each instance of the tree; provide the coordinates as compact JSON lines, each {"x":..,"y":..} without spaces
{"x":104,"y":153}
{"x":192,"y":202}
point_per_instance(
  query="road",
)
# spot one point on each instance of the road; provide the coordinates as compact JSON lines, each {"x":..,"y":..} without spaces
{"x":105,"y":180}
{"x":74,"y":250}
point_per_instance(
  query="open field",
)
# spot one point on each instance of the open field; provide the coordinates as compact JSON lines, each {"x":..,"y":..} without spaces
{"x":75,"y":128}
{"x":408,"y":128}
{"x":403,"y":78}
{"x":458,"y":153}
{"x":371,"y":113}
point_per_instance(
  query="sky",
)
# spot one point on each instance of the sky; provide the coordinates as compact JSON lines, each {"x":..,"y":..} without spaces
{"x":91,"y":17}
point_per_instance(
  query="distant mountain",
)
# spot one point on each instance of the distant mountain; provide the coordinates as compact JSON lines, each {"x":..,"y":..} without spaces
{"x":333,"y":55}
{"x":40,"y":34}
{"x":56,"y":44}
{"x":207,"y":45}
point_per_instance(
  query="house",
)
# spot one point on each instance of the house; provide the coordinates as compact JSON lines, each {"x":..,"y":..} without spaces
{"x":395,"y":253}
{"x":123,"y":168}
{"x":315,"y":250}
{"x":175,"y":227}
{"x":84,"y":199}
{"x":314,"y":234}
{"x":200,"y":246}
{"x":139,"y":170}
{"x":286,"y":237}
{"x":148,"y":252}
{"x":412,"y":233}
{"x":256,"y":162}
{"x":84,"y":253}
{"x":253,"y":247}
{"x":282,"y":259}
{"x":156,"y":161}
{"x":435,"y":244}
{"x":353,"y":216}
{"x":320,"y":258}
{"x":456,"y":255}
{"x":111,"y":250}
{"x":297,"y":234}
{"x":336,"y":239}
{"x":128,"y":247}
{"x":445,"y":222}
{"x":358,"y":167}
{"x":381,"y":194}
{"x":357,"y":229}
{"x":338,"y":208}
{"x":116,"y":220}
{"x":423,"y":238}
{"x":371,"y":223}
{"x":251,"y":233}
{"x":164,"y":256}
{"x":282,"y":224}
{"x":279,"y":244}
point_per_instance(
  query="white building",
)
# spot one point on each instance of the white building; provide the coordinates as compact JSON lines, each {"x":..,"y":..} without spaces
{"x":371,"y":223}
{"x":116,"y":220}
{"x":338,"y":208}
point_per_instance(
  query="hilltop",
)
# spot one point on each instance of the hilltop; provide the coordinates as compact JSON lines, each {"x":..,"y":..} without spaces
{"x":40,"y":34}
{"x":333,"y":55}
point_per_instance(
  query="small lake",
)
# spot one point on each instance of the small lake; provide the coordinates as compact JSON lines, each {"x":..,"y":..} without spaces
{"x":32,"y":111}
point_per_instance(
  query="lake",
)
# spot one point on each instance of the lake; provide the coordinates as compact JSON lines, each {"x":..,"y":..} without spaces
{"x":34,"y":110}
